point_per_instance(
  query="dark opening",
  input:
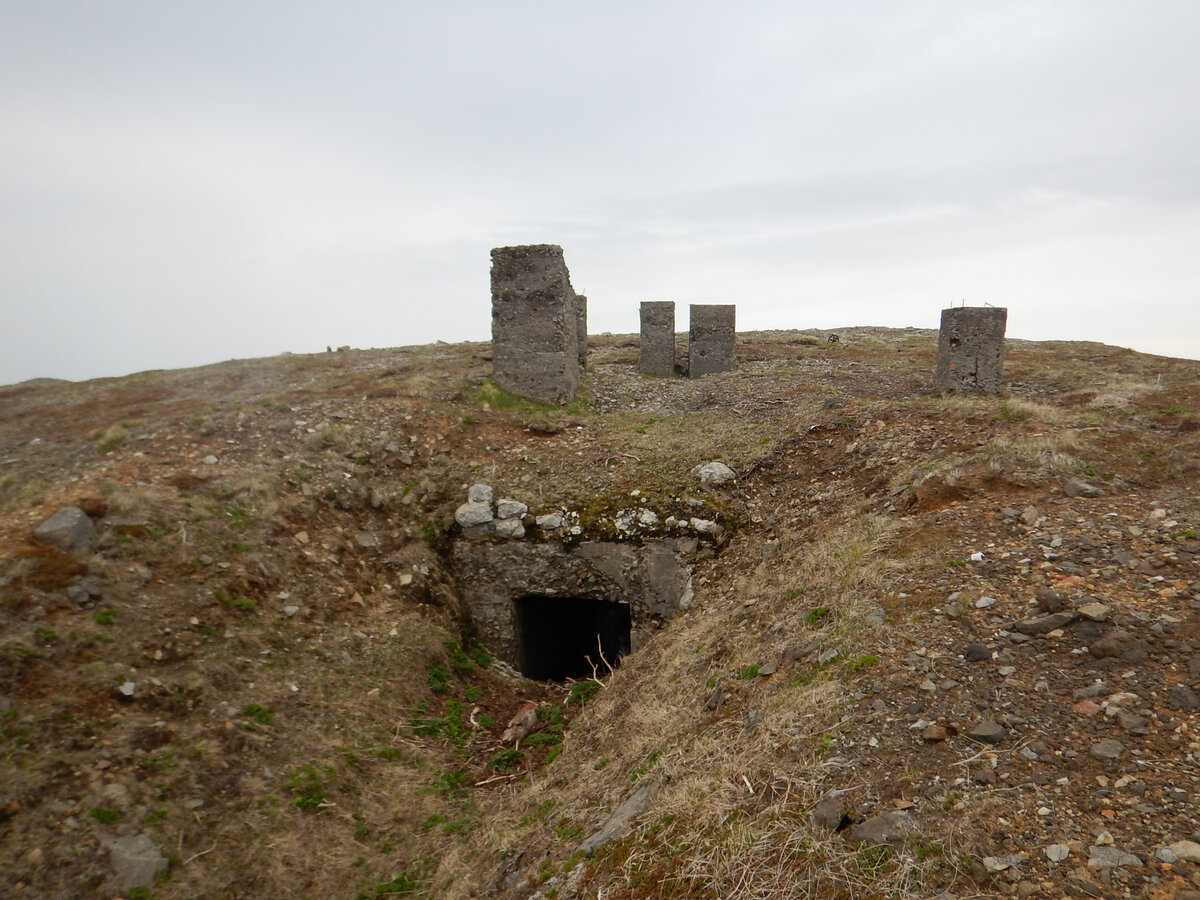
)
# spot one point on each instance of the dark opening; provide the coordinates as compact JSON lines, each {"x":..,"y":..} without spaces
{"x":561,"y":637}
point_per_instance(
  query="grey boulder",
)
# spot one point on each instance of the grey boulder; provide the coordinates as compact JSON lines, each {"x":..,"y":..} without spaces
{"x":69,"y":530}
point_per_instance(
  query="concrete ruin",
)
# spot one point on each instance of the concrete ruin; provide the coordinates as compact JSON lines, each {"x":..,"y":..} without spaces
{"x":971,"y":349}
{"x":551,"y":608}
{"x":656,"y":354}
{"x":536,"y":322}
{"x":581,"y":329}
{"x":712,"y":333}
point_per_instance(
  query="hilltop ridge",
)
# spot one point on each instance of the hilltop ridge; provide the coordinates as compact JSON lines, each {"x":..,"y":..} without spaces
{"x":946,"y":645}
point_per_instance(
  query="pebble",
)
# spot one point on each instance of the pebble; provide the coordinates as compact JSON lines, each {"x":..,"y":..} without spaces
{"x":985,"y":602}
{"x":976,"y":653}
{"x":1186,"y":850}
{"x":996,"y":864}
{"x":1095,"y":612}
{"x":1057,"y":852}
{"x":987,"y":730}
{"x":1107,"y":749}
{"x":1111,"y":858}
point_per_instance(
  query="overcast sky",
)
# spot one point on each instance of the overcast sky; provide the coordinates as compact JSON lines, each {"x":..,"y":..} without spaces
{"x":182,"y":183}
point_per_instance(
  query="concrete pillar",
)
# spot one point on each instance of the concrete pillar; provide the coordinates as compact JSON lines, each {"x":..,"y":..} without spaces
{"x":581,"y":329}
{"x":657,"y":347}
{"x":535,"y":323}
{"x":711,"y":339}
{"x":971,"y":349}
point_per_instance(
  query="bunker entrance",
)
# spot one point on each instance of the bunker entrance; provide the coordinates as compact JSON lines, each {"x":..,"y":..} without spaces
{"x":557,"y":636}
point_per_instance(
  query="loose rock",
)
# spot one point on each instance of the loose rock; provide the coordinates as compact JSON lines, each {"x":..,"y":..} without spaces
{"x":885,"y":828}
{"x":1107,"y":749}
{"x":70,"y":530}
{"x":712,"y":474}
{"x":137,"y":860}
{"x":1078,"y":488}
{"x":987,"y":730}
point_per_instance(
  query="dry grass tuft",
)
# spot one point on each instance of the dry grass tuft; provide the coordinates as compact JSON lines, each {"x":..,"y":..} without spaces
{"x":1038,"y":456}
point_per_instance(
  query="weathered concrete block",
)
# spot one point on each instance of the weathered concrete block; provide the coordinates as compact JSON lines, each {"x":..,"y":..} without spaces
{"x":657,"y":346}
{"x":712,"y":333}
{"x":535,"y":323}
{"x":971,"y":349}
{"x":581,"y":329}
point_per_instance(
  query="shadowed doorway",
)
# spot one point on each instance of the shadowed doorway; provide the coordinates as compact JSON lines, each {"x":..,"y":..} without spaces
{"x":556,"y":636}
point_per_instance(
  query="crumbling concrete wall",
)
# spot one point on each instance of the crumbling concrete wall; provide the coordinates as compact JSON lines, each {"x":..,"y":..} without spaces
{"x":581,"y":329}
{"x":711,"y":336}
{"x":535,"y":323}
{"x":971,"y":349}
{"x":654,"y":578}
{"x":657,"y":346}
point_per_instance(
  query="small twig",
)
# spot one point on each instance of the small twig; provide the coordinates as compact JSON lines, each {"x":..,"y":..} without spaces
{"x":498,"y":778}
{"x":200,"y":854}
{"x":749,"y":786}
{"x":619,"y":455}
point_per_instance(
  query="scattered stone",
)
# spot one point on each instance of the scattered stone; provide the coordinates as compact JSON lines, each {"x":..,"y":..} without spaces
{"x":828,"y":814}
{"x":977,"y":653}
{"x":1086,"y":707}
{"x":1094,"y":612}
{"x":70,"y":530}
{"x":994,"y":864}
{"x":473,"y":514}
{"x":1049,"y":600}
{"x":712,"y":474}
{"x":1045,"y":624}
{"x":1119,"y":644}
{"x":550,"y":521}
{"x":1186,"y":850}
{"x":936,"y":733}
{"x":620,"y":821}
{"x":137,"y":860}
{"x":367,"y":540}
{"x":1183,"y":697}
{"x":1078,"y":488}
{"x":1056,"y":853}
{"x":885,"y":828}
{"x":126,"y":688}
{"x":705,"y":526}
{"x":1030,"y":515}
{"x":987,"y":730}
{"x":1095,"y":689}
{"x":1112,"y":858}
{"x":290,"y":611}
{"x":1132,"y":723}
{"x":1107,"y":749}
{"x":985,"y":602}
